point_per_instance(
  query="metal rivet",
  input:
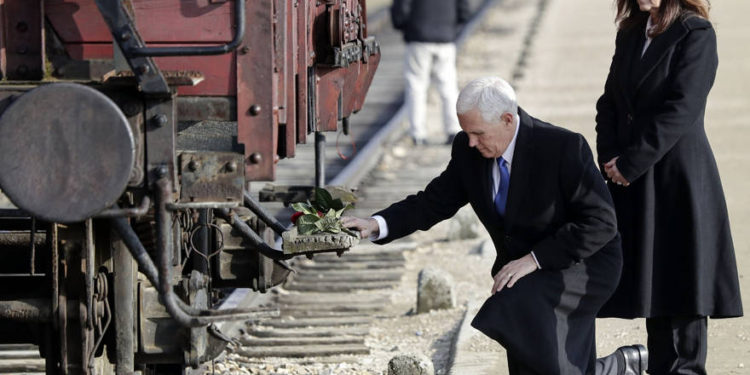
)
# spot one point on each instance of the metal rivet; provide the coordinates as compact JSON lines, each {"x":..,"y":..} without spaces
{"x":193,"y":165}
{"x":254,"y":110}
{"x":244,"y":50}
{"x":130,"y":108}
{"x":256,"y":158}
{"x":143,"y":69}
{"x":159,"y":120}
{"x":125,"y":36}
{"x":162,"y":171}
{"x":22,"y":27}
{"x":232,"y":166}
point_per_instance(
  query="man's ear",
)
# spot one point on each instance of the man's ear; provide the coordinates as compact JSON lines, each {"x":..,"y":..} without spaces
{"x":507,"y":118}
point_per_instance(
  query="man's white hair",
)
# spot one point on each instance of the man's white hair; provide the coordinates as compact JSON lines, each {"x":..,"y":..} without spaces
{"x":492,"y":96}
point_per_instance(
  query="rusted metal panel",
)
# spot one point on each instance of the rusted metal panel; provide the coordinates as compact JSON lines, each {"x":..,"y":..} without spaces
{"x":291,"y":92}
{"x":303,"y":61}
{"x":2,"y":39}
{"x":87,"y":51}
{"x":364,"y":79}
{"x":23,"y":31}
{"x":79,"y":21}
{"x":255,"y":127}
{"x":211,"y":177}
{"x":279,"y":63}
{"x":285,"y":37}
{"x":330,"y":85}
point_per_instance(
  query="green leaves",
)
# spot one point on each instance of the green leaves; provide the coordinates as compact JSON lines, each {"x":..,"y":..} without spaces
{"x":322,"y":215}
{"x":324,"y":201}
{"x":306,"y":208}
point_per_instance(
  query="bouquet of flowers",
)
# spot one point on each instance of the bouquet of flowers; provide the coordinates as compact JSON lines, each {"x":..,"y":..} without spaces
{"x":320,"y":215}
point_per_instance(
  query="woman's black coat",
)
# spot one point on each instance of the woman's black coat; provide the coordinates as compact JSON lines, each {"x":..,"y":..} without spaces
{"x":677,"y":246}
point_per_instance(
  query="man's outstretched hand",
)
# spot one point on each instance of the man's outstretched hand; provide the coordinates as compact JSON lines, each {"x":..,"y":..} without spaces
{"x":366,"y":227}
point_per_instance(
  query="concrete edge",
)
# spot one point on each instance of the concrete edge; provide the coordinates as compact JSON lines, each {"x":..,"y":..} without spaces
{"x":465,"y":332}
{"x":465,"y":361}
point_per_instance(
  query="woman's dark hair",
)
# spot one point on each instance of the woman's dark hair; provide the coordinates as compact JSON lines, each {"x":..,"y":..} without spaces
{"x":629,"y":14}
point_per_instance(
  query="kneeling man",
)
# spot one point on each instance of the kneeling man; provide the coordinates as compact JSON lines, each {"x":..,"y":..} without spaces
{"x":537,"y":190}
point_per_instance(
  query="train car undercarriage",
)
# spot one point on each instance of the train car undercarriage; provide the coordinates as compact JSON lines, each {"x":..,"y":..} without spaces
{"x":121,"y":239}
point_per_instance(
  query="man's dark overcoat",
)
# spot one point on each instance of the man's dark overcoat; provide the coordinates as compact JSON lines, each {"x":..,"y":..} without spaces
{"x":559,"y":207}
{"x":677,"y":247}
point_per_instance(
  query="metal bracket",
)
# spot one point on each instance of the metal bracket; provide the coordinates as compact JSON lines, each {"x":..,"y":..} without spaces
{"x":127,"y":38}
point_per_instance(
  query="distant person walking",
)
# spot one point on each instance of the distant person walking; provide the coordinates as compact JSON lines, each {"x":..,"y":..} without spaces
{"x":430,"y":28}
{"x":679,"y":265}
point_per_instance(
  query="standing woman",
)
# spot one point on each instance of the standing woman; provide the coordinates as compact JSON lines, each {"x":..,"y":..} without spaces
{"x":679,"y":265}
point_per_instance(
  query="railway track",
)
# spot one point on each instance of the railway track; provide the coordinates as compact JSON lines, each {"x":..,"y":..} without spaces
{"x":327,"y":306}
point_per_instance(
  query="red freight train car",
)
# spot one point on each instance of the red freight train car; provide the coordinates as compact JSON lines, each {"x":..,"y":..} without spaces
{"x":129,"y":130}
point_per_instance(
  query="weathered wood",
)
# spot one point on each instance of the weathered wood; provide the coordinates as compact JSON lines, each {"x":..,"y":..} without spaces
{"x":356,"y":308}
{"x":330,"y":298}
{"x":310,"y":332}
{"x":363,"y":277}
{"x":21,"y":365}
{"x":349,"y":273}
{"x":297,"y":341}
{"x":338,"y":287}
{"x":18,"y":347}
{"x":317,"y":322}
{"x":399,"y":246}
{"x":392,"y":265}
{"x":303,"y":351}
{"x":353,"y":256}
{"x":19,"y":354}
{"x":324,"y":313}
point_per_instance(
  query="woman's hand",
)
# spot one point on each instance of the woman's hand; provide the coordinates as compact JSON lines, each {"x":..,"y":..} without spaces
{"x":513,"y":271}
{"x":366,"y":227}
{"x":610,"y":168}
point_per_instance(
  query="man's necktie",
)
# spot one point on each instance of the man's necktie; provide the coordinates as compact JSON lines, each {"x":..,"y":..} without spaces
{"x":502,"y":190}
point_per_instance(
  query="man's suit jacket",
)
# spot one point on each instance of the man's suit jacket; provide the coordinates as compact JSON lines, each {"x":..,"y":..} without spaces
{"x":559,"y":207}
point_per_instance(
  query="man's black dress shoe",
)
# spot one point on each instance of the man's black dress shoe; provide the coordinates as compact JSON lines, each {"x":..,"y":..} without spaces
{"x":635,"y":359}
